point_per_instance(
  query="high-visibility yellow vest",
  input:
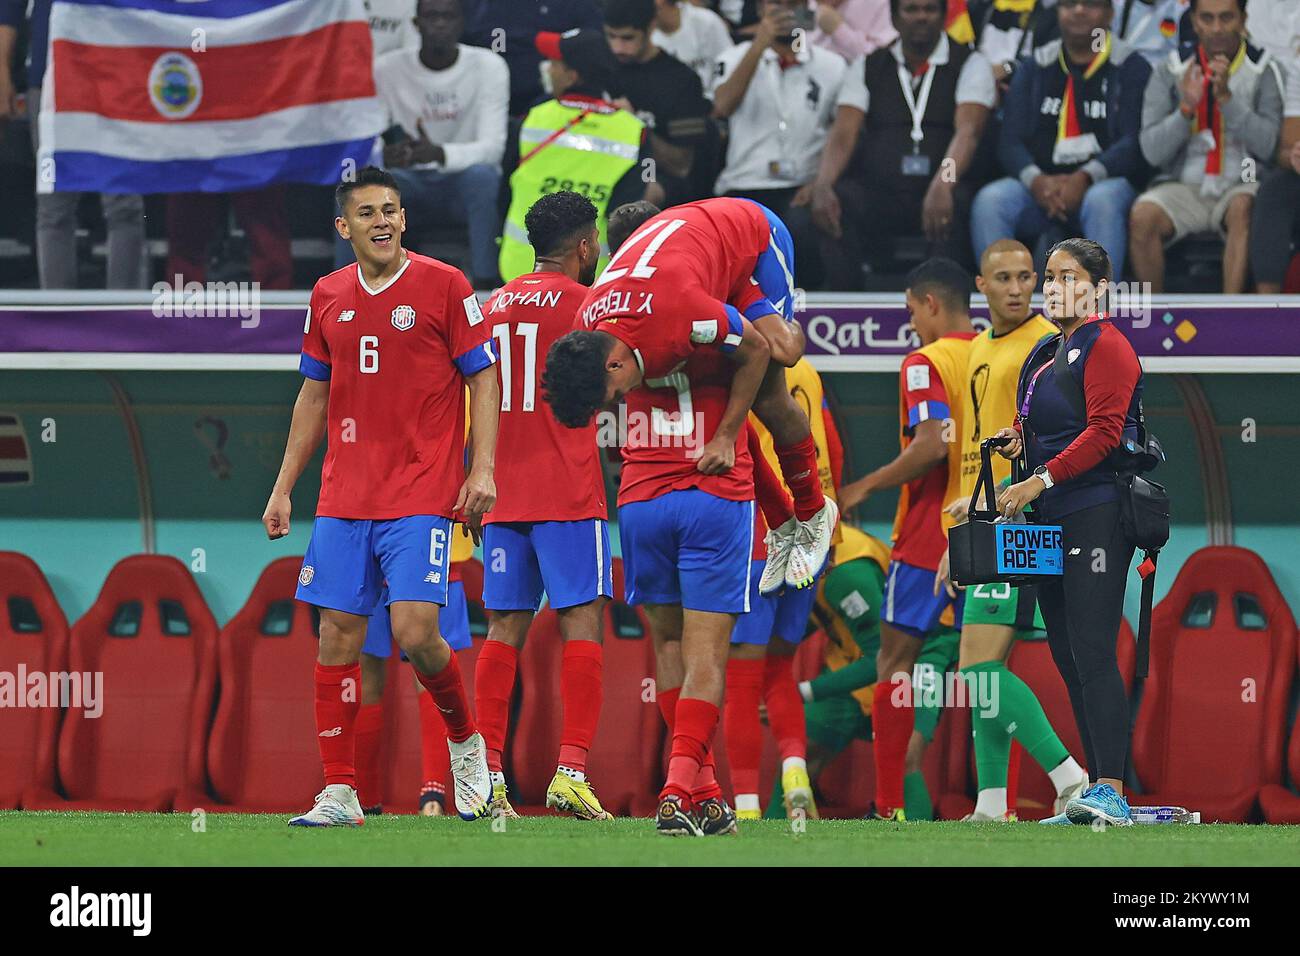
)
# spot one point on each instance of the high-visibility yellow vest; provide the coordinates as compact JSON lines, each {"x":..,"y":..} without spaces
{"x":583,"y":146}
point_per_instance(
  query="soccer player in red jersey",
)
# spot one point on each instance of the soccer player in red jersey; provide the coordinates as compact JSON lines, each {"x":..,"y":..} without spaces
{"x":695,"y":265}
{"x":388,"y":347}
{"x":548,"y":530}
{"x":932,"y":423}
{"x":686,"y":517}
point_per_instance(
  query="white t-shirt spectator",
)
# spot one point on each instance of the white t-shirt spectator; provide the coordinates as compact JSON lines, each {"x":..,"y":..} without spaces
{"x":463,"y":108}
{"x":974,"y":83}
{"x":392,"y":25}
{"x":780,"y":128}
{"x":1274,"y":26}
{"x":701,"y":39}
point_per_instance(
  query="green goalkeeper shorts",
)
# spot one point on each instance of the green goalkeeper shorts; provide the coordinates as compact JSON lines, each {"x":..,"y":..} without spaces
{"x":1015,"y":607}
{"x":836,"y":722}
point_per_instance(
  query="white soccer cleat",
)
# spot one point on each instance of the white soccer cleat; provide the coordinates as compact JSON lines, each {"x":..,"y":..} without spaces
{"x":473,"y":782}
{"x":812,"y":543}
{"x":1075,"y":789}
{"x":336,"y":806}
{"x":978,"y":817}
{"x":780,"y":544}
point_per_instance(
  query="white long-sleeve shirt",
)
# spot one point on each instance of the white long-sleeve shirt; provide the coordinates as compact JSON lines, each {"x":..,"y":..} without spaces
{"x":463,"y":108}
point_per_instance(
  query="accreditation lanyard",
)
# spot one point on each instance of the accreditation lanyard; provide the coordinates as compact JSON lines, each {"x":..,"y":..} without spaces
{"x":916,"y":103}
{"x":1033,"y":381}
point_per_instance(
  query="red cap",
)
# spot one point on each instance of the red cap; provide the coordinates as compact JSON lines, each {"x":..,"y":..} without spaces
{"x":548,"y":45}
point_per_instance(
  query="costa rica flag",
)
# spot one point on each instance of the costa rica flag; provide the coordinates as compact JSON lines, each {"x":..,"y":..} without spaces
{"x":157,"y":96}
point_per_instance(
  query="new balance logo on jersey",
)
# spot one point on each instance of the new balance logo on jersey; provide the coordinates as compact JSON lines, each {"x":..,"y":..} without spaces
{"x":348,"y":315}
{"x":333,"y":732}
{"x":403,"y":318}
{"x":433,"y":577}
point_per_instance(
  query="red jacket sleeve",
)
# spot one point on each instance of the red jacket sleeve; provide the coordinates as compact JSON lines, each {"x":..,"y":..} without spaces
{"x":1108,"y":382}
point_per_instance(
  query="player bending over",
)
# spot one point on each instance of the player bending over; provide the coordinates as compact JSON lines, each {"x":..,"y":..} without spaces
{"x":548,"y":530}
{"x":995,"y":615}
{"x":686,"y":521}
{"x":707,"y":267}
{"x":388,"y":347}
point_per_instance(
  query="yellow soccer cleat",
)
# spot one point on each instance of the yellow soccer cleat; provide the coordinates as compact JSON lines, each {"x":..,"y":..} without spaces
{"x":501,"y":803}
{"x":798,"y":792}
{"x":895,"y":815}
{"x":577,"y":797}
{"x":749,"y":815}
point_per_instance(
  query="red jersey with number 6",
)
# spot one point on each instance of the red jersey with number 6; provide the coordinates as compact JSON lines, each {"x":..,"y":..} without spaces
{"x":396,"y":359}
{"x":545,"y":472}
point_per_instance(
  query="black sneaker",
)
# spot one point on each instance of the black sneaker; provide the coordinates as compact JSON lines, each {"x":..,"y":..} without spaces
{"x":716,"y":818}
{"x":673,"y":820}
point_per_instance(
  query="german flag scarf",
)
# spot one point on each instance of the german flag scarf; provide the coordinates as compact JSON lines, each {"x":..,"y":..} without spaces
{"x":1209,"y":118}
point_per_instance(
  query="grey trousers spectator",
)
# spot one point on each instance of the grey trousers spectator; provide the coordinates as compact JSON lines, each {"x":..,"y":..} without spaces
{"x":56,"y":229}
{"x":1273,"y":223}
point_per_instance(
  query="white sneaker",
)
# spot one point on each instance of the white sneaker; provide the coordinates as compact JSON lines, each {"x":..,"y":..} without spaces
{"x":977,"y":817}
{"x":1069,"y":793}
{"x":780,"y":545}
{"x":812,"y":543}
{"x":336,"y":806}
{"x":469,"y":771}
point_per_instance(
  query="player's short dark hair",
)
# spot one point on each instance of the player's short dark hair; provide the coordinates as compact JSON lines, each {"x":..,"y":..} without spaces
{"x":558,"y":220}
{"x":368,"y":176}
{"x":638,"y":14}
{"x":945,"y":280}
{"x":573,"y":382}
{"x":627,"y":219}
{"x":894,"y":5}
{"x":1089,"y":254}
{"x":1241,"y":4}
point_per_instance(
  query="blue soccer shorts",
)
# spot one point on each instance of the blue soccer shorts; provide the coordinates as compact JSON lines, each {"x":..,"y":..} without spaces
{"x":348,"y":561}
{"x":784,"y":615}
{"x":910,"y":603}
{"x":569,"y":561}
{"x":774,"y":272}
{"x":453,"y":624}
{"x":690,"y":548}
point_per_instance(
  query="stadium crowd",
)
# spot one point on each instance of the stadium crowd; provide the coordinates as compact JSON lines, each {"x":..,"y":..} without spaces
{"x":882,"y":131}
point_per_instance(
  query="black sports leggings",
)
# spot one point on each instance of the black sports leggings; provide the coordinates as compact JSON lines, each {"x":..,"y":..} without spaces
{"x":1082,"y":610}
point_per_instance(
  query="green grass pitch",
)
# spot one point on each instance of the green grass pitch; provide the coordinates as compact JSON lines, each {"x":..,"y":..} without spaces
{"x":114,"y":839}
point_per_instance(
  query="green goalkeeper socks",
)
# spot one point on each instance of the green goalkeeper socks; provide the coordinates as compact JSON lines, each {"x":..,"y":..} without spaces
{"x":1018,"y":714}
{"x":916,"y":797}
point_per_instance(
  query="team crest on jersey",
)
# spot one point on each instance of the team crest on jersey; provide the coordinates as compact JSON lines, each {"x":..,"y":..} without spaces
{"x":403,"y":318}
{"x":306,"y":574}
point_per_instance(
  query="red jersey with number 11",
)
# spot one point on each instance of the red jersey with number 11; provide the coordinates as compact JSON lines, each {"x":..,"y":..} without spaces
{"x":545,"y":472}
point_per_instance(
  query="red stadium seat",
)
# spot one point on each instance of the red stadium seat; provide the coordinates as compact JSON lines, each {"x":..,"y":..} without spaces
{"x":34,"y":637}
{"x":537,"y":724}
{"x":1279,"y":804}
{"x":1212,"y":723}
{"x":262,"y":754}
{"x":151,"y":635}
{"x":1032,"y":662}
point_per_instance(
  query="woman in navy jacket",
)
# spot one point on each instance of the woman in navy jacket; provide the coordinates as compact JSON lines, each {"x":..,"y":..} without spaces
{"x":1068,"y":433}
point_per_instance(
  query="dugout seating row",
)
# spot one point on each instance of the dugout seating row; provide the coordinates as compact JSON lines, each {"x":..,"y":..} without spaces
{"x":197,"y":717}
